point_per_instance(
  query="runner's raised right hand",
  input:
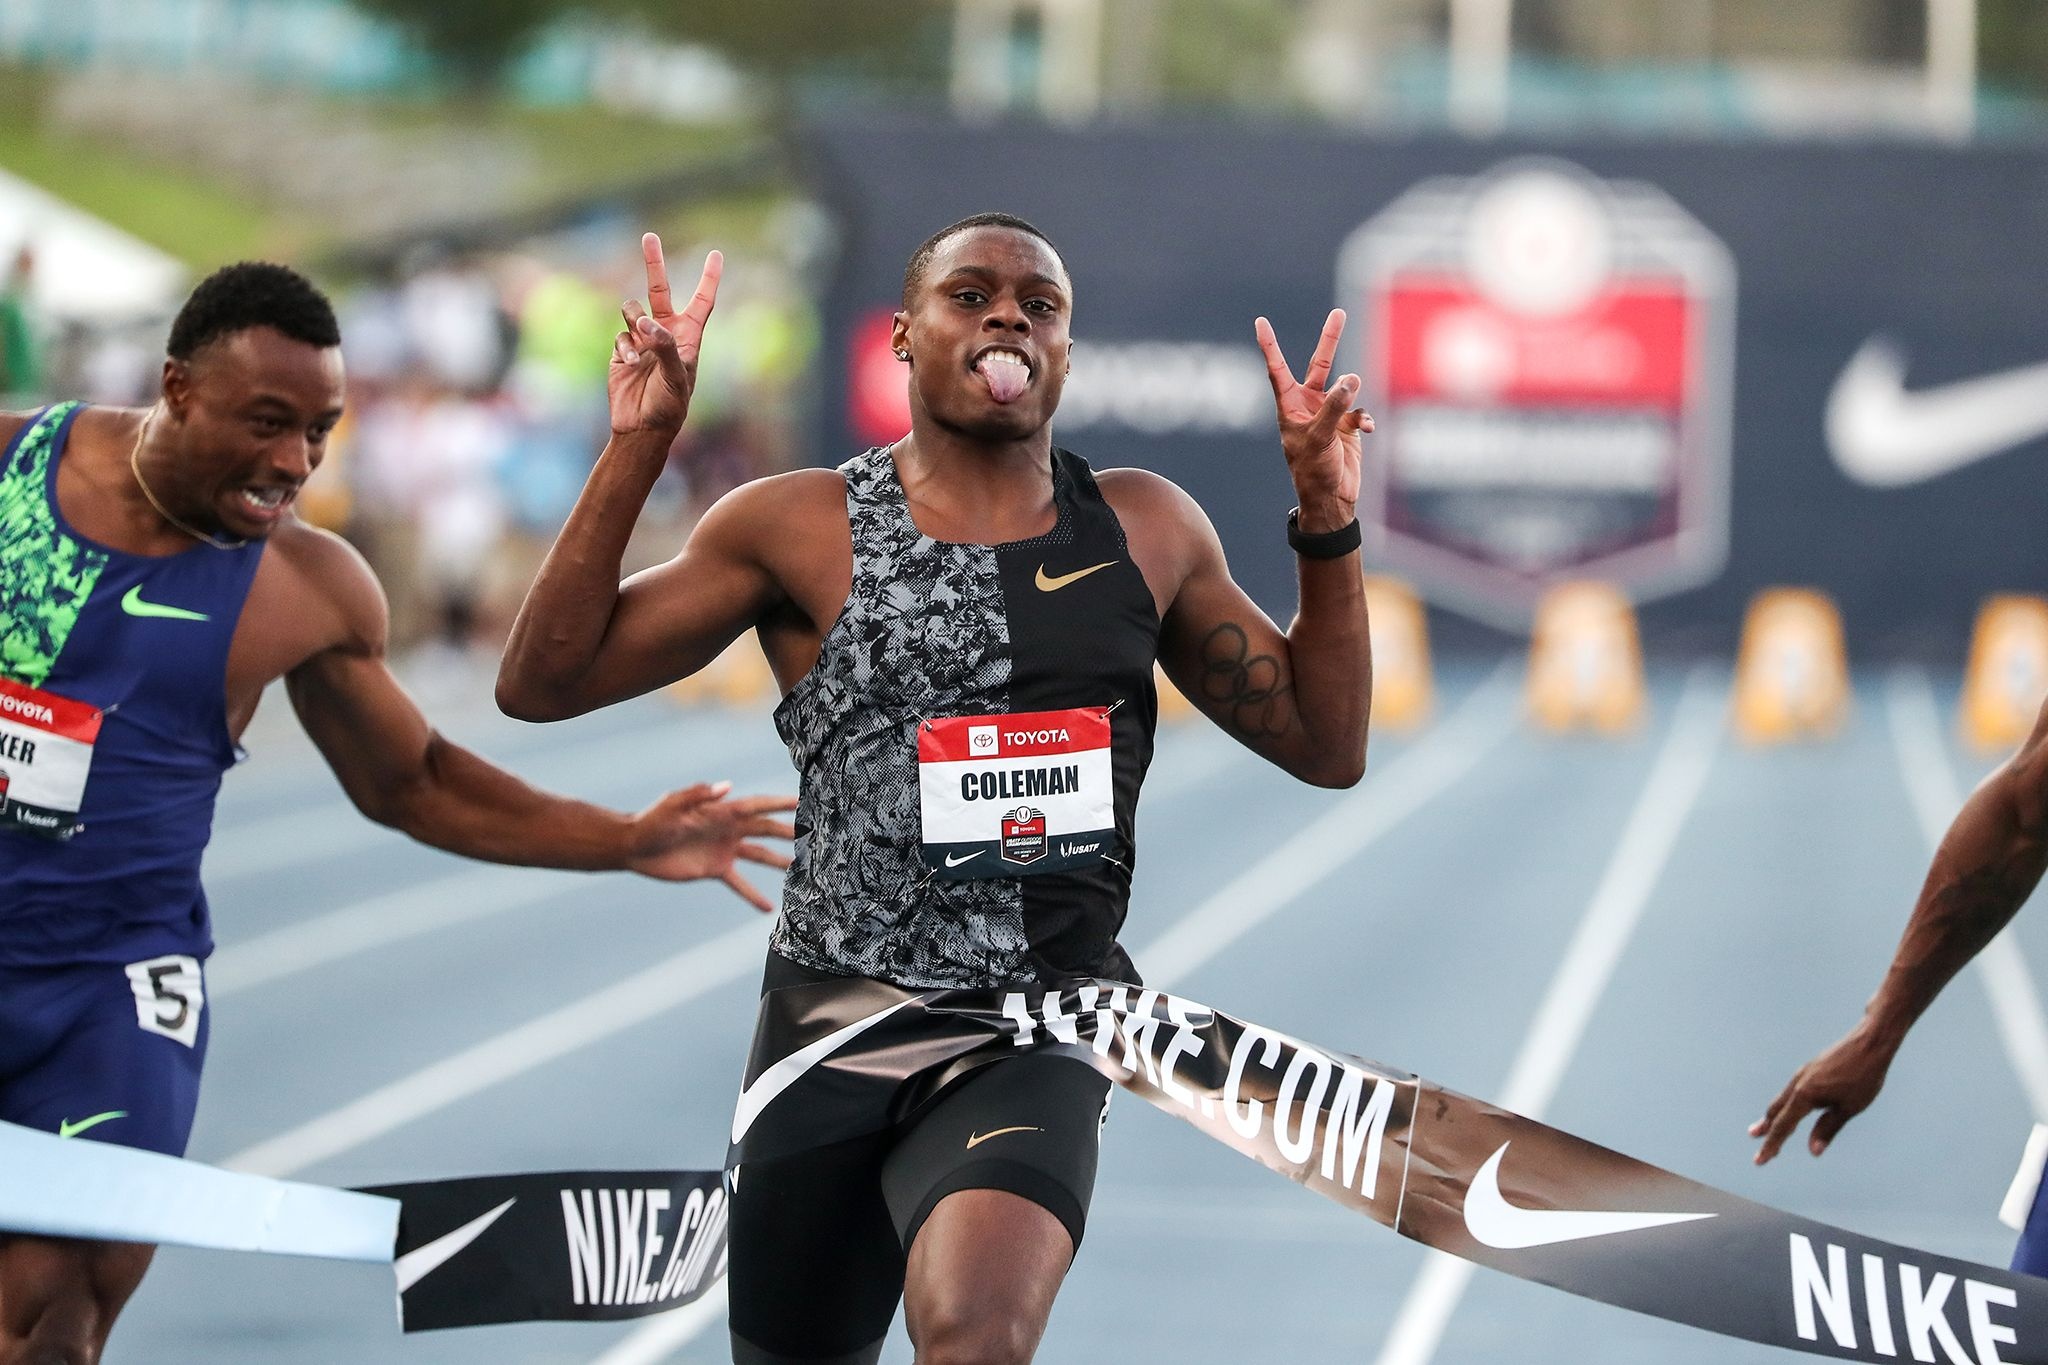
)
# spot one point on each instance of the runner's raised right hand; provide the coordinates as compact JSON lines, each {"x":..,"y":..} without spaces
{"x":654,"y":361}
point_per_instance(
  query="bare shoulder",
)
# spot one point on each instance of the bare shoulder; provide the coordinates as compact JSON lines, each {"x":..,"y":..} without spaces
{"x":771,"y":503}
{"x":324,"y":573}
{"x":762,"y":518}
{"x":1170,"y":536}
{"x":1160,"y":519}
{"x":1151,"y":500}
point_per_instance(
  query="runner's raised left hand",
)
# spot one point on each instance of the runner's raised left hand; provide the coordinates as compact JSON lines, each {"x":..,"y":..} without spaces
{"x":1320,"y":432}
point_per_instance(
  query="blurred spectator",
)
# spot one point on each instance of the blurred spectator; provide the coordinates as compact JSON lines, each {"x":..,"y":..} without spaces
{"x":457,"y":329}
{"x":476,"y":407}
{"x":21,"y":343}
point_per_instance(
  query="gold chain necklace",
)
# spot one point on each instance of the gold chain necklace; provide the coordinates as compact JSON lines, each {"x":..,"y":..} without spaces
{"x":135,"y":466}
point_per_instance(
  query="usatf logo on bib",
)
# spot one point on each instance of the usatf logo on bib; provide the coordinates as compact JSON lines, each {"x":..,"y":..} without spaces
{"x":1009,"y":796}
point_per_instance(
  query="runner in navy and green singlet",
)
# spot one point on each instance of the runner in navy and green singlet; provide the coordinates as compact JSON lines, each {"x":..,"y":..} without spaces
{"x":152,"y":582}
{"x":965,"y":625}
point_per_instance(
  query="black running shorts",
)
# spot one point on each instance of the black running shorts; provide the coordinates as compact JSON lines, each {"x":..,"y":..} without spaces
{"x":817,"y":1241}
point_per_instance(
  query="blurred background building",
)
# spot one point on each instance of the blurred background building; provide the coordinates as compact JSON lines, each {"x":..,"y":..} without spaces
{"x":1652,"y":291}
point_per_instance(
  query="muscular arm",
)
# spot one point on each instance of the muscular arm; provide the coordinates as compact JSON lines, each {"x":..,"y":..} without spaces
{"x":583,"y":640}
{"x":399,"y":772}
{"x":1299,"y":699}
{"x":1989,"y":862}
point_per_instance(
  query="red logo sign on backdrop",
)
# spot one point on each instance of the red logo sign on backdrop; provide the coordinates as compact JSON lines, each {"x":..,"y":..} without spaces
{"x":877,"y":383}
{"x":1549,"y":357}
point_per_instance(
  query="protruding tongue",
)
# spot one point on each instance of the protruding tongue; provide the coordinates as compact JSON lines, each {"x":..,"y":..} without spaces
{"x":1006,"y":381}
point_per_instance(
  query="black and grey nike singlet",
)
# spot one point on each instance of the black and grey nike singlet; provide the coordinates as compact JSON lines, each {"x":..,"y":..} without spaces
{"x":970,"y":746}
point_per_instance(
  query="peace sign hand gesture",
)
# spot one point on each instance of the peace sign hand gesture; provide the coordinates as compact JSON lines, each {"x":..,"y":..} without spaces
{"x":1320,"y":432}
{"x":654,"y":361}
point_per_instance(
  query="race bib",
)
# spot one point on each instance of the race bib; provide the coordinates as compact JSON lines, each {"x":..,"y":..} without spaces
{"x":1016,"y":795}
{"x":45,"y":753}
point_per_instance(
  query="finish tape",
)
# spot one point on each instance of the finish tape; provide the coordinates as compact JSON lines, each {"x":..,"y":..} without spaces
{"x":70,"y":1187}
{"x":835,"y":1059}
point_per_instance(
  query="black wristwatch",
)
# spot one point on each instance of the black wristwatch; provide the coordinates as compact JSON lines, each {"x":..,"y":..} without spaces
{"x":1323,"y":544}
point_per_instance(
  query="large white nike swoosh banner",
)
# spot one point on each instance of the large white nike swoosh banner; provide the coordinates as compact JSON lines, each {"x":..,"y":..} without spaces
{"x":781,"y":1075}
{"x":1884,"y":435}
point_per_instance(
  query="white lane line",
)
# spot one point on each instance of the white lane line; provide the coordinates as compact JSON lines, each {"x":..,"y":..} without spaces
{"x":655,"y":991}
{"x":1388,"y":796}
{"x":1937,"y":796}
{"x":332,"y":828}
{"x":1632,"y":874}
{"x":1192,"y":762}
{"x":669,"y":1332}
{"x":468,"y":894}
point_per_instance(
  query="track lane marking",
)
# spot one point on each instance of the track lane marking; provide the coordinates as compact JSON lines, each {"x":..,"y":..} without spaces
{"x":469,"y":892}
{"x":659,"y":989}
{"x":421,"y":908}
{"x":1936,"y":796}
{"x":1416,"y":776}
{"x":669,"y":1332}
{"x":1633,"y":871}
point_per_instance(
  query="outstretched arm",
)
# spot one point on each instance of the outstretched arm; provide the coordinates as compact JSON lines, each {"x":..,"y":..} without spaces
{"x":1988,"y":864}
{"x":399,"y":772}
{"x":1301,"y":699}
{"x":582,"y":639}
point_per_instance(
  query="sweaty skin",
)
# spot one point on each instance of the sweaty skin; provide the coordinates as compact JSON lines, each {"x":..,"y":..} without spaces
{"x":776,"y":556}
{"x":1989,"y":862}
{"x":250,"y":414}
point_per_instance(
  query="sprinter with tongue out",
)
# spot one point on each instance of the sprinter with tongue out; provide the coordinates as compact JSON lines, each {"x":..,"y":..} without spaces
{"x":964,"y":625}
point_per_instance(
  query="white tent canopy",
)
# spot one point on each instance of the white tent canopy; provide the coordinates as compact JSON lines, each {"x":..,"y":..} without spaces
{"x":85,"y":268}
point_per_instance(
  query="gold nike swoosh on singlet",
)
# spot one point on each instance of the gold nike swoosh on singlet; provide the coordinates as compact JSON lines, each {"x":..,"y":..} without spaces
{"x":1047,"y":583}
{"x":976,"y":1139}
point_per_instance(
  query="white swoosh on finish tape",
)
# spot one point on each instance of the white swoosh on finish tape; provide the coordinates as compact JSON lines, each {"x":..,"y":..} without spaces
{"x":1886,"y":437}
{"x":421,"y":1261}
{"x":1494,"y":1222}
{"x":783,"y":1074}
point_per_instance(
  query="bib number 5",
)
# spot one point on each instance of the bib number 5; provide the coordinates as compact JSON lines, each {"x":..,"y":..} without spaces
{"x":169,"y":996}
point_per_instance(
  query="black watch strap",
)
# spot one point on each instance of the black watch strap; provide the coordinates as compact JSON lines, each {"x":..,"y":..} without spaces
{"x":1322,"y":544}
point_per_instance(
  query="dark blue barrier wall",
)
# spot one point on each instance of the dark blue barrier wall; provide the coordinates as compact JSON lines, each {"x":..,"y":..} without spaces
{"x":1181,"y":236}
